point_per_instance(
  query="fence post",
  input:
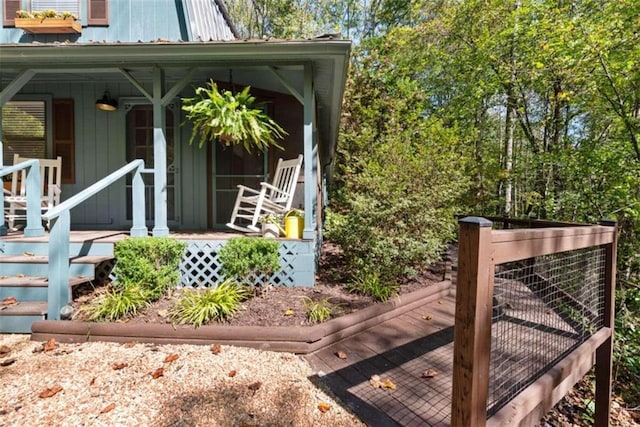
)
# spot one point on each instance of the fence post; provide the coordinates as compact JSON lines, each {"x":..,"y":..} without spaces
{"x":58,"y":290}
{"x":472,"y":330}
{"x":604,"y":353}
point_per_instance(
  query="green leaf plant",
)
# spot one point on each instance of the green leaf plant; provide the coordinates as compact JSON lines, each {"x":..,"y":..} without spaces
{"x":233,"y":118}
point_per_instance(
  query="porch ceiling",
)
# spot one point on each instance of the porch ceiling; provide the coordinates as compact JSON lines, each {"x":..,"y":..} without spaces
{"x":249,"y":60}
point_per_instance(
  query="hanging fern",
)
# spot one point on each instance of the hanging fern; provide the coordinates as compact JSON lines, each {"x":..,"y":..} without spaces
{"x":232,"y":118}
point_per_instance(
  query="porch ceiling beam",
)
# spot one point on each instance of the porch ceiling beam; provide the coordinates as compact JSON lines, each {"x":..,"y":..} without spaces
{"x":171,"y":93}
{"x":297,"y":95}
{"x":65,"y":70}
{"x":16,"y":84}
{"x":136,"y":84}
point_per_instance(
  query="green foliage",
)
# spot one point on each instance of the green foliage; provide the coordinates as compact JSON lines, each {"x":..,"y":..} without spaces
{"x":245,"y":257}
{"x":153,"y":262}
{"x":235,"y":117}
{"x":370,"y":284}
{"x":123,"y":300}
{"x":199,"y":306}
{"x":317,"y":311}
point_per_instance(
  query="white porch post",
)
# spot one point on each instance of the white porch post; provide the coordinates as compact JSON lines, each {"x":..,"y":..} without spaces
{"x":160,"y":228}
{"x":310,"y":156}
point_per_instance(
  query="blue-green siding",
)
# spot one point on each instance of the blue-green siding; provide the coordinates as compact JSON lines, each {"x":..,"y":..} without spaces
{"x":129,"y":21}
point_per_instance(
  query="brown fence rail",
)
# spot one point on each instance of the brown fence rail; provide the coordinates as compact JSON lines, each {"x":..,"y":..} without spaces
{"x":533,"y":305}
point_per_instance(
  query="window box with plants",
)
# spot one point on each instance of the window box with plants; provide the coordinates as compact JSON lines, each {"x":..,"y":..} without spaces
{"x":48,"y":22}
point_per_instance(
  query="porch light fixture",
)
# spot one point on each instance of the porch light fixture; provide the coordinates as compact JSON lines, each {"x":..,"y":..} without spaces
{"x":106,"y":103}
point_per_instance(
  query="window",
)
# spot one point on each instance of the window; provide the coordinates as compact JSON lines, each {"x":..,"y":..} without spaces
{"x":72,"y":6}
{"x":25,"y":131}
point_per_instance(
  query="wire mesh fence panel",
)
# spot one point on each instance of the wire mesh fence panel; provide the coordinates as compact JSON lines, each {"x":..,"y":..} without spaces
{"x":543,"y":308}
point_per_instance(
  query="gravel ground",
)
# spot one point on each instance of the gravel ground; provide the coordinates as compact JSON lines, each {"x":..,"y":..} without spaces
{"x":109,"y":384}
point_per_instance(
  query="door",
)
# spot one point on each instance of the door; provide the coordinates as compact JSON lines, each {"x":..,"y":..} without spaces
{"x":139,"y":125}
{"x":233,"y":166}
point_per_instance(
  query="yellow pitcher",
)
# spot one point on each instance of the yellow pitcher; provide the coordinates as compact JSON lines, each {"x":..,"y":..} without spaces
{"x":294,"y":224}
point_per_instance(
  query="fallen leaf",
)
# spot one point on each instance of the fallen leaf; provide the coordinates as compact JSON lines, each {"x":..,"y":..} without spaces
{"x":50,"y":392}
{"x":129,"y":344}
{"x":508,"y":305}
{"x":323,"y":407}
{"x":375,"y":381}
{"x":8,"y":362}
{"x":289,"y":312}
{"x":163,"y":313}
{"x":341,"y":354}
{"x":388,"y":384}
{"x":38,"y":349}
{"x":4,"y":350}
{"x":255,"y":386}
{"x":440,"y":302}
{"x":93,"y":381}
{"x":232,"y":373}
{"x":108,"y":408}
{"x":21,"y":275}
{"x":118,"y":366}
{"x":170,"y":358}
{"x":427,"y":317}
{"x":9,"y":301}
{"x":429,"y":373}
{"x":157,"y":373}
{"x":216,"y":348}
{"x":28,"y":254}
{"x":50,"y":345}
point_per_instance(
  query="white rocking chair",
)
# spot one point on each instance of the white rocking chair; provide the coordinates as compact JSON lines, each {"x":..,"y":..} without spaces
{"x":275,"y":198}
{"x":50,"y":182}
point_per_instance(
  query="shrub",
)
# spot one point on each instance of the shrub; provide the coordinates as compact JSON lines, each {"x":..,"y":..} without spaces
{"x":118,"y":302}
{"x":370,"y":284}
{"x":199,"y":306}
{"x":244,"y":258}
{"x":153,"y":262}
{"x":317,"y":311}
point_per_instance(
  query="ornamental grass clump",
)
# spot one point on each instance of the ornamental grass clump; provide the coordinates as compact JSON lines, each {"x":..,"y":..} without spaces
{"x":317,"y":311}
{"x":200,"y":306}
{"x":370,"y":284}
{"x":116,"y":303}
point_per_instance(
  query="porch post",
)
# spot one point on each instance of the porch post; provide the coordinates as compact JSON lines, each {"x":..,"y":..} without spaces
{"x":310,"y":153}
{"x":160,"y":228}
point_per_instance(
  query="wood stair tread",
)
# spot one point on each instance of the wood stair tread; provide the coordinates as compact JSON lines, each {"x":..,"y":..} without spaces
{"x":42,"y":259}
{"x":25,"y":308}
{"x":37,"y":281}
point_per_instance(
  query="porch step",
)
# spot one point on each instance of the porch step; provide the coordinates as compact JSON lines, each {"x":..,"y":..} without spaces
{"x":27,"y":265}
{"x":18,"y":318}
{"x":32,"y":288}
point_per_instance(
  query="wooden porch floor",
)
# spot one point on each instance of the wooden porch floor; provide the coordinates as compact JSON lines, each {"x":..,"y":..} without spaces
{"x":115,"y":235}
{"x":401,"y":350}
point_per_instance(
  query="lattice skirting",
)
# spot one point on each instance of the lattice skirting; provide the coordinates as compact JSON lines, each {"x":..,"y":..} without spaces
{"x":201,"y":265}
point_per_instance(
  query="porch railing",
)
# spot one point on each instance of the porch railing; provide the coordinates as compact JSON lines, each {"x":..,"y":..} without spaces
{"x":533,"y":306}
{"x":60,"y":229}
{"x":34,"y":226}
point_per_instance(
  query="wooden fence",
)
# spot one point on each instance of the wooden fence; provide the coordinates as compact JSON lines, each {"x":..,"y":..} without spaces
{"x":481,"y":249}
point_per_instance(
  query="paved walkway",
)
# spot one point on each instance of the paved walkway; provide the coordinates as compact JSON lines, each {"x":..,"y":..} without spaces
{"x":401,"y":350}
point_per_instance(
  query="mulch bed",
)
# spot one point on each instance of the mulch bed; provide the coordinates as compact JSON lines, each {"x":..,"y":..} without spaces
{"x":283,"y":306}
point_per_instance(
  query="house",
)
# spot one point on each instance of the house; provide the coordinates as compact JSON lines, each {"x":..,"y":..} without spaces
{"x":145,"y":56}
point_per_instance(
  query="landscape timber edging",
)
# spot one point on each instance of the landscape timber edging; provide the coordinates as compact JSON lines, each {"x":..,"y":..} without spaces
{"x":295,"y":339}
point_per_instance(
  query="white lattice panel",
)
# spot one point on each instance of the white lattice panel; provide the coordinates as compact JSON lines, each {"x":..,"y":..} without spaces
{"x":201,"y":265}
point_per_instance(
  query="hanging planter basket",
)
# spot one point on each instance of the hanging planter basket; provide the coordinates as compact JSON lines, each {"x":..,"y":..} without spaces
{"x":231,"y":118}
